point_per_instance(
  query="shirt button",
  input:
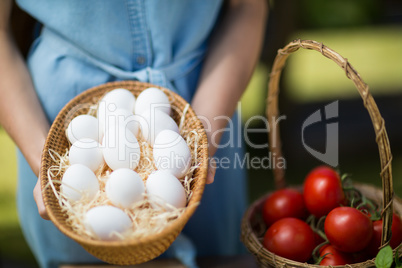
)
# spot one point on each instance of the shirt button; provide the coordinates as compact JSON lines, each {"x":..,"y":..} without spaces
{"x":140,"y":60}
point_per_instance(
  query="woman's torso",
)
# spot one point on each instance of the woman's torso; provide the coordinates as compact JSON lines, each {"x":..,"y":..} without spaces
{"x":130,"y":34}
{"x":87,"y":43}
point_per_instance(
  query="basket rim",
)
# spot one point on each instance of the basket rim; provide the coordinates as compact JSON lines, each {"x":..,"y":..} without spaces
{"x":173,"y":226}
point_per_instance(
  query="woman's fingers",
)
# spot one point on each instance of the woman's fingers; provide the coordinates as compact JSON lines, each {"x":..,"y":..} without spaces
{"x":211,"y":170}
{"x":37,"y":193}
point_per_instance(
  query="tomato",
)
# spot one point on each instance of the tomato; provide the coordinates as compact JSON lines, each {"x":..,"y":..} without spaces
{"x":290,"y":238}
{"x":348,"y":229}
{"x":283,"y":204}
{"x":323,"y":191}
{"x":396,"y":238}
{"x":334,"y":256}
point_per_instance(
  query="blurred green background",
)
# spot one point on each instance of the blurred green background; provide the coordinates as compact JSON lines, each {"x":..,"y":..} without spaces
{"x":367,"y":32}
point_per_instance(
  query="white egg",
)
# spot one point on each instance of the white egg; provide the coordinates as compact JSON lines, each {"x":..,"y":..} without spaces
{"x":119,"y":98}
{"x":83,"y":126}
{"x":120,"y":148}
{"x":124,"y":187}
{"x":162,"y":187}
{"x":171,"y":153}
{"x":153,"y":122}
{"x":105,"y":221}
{"x":122,"y":118}
{"x":86,"y":152}
{"x":152,"y":98}
{"x":79,"y":183}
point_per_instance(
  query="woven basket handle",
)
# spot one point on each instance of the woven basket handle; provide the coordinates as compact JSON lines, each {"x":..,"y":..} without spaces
{"x":368,"y":101}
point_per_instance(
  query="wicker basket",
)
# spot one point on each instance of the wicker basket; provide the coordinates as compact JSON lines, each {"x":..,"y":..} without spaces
{"x":122,"y":252}
{"x":253,"y":227}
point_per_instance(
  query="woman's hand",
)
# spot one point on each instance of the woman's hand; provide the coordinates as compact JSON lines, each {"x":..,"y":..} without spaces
{"x":37,"y":193}
{"x":211,"y":170}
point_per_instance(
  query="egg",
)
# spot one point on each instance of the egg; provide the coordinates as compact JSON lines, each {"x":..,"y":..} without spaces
{"x":124,"y":187}
{"x":120,"y":148}
{"x":162,"y":187}
{"x":119,"y":98}
{"x":83,"y":126}
{"x":105,"y":221}
{"x":86,"y":152}
{"x":153,"y":122}
{"x":122,"y":118}
{"x":79,"y":183}
{"x":152,"y":98}
{"x":171,"y":153}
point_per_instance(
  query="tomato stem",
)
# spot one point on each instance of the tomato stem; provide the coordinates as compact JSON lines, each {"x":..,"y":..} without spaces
{"x":357,"y":199}
{"x":322,"y":235}
{"x":320,"y":223}
{"x":345,"y":177}
{"x":316,"y":253}
{"x":397,"y":260}
{"x":318,"y":226}
{"x":311,"y":220}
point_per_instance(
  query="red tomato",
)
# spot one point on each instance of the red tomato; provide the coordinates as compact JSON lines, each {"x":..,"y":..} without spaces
{"x":283,"y":204}
{"x":290,"y":238}
{"x":334,"y":256}
{"x":323,"y":191}
{"x":396,"y":238}
{"x":348,"y":229}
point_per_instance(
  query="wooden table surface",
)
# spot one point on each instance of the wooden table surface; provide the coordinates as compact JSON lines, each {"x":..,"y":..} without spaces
{"x":243,"y":261}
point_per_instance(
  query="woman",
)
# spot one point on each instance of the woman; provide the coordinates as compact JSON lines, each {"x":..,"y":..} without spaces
{"x":204,"y":50}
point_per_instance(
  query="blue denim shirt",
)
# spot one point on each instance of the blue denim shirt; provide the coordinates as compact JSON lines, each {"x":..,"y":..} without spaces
{"x":157,"y":41}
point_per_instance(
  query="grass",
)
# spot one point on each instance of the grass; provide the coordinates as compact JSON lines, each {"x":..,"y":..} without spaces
{"x":8,"y":180}
{"x":374,"y":52}
{"x":309,"y":77}
{"x":13,"y":247}
{"x":255,"y":94}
